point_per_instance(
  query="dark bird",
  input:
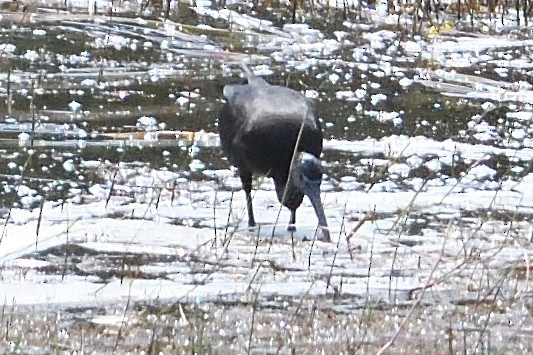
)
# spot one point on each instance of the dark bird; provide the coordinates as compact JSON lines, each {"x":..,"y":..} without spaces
{"x":259,"y":127}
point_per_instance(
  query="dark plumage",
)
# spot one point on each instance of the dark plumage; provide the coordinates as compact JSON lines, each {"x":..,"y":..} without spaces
{"x":259,"y":126}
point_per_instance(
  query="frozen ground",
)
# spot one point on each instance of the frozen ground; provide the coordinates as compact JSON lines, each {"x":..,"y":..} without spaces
{"x":125,"y":230}
{"x":466,"y":244}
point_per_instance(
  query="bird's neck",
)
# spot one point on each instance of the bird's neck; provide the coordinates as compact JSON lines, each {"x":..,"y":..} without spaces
{"x":288,"y":194}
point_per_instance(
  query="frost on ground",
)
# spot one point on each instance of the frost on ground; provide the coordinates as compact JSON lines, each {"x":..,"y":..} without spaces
{"x":450,"y":253}
{"x":130,"y":232}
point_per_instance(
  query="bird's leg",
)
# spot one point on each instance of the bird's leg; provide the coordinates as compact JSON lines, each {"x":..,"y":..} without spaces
{"x":292,"y":222}
{"x":246,"y":180}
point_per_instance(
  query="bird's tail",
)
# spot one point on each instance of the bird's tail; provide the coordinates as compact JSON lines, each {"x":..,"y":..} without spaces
{"x":249,"y":74}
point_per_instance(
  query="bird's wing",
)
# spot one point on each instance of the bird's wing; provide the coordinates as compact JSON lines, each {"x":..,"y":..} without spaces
{"x":260,"y":101}
{"x":259,"y":125}
{"x":277,"y":105}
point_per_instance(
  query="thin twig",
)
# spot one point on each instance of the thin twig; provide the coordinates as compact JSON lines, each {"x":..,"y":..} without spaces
{"x":418,"y":301}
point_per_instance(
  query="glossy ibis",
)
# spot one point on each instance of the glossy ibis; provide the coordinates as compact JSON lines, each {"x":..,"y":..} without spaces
{"x":259,"y":127}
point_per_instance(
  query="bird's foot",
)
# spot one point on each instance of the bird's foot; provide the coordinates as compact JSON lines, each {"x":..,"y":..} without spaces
{"x":326,"y":238}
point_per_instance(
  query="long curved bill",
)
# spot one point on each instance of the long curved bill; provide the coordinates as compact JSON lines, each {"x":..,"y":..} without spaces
{"x":313,"y":192}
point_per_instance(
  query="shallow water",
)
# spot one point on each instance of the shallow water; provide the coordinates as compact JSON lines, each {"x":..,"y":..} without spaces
{"x":109,"y":197}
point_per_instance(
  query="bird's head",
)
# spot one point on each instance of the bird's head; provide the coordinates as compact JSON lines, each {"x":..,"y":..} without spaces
{"x":307,"y":171}
{"x":307,"y":177}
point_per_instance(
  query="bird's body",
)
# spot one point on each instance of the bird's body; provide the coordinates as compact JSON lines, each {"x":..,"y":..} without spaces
{"x":259,"y":126}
